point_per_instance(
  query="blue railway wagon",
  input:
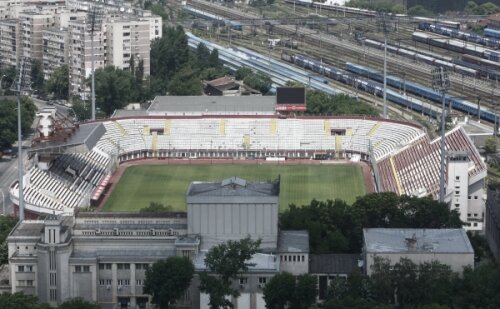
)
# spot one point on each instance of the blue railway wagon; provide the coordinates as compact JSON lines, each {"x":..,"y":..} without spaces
{"x":426,"y":92}
{"x":494,"y":33}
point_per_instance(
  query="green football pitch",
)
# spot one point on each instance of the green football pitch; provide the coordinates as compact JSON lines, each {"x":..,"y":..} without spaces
{"x":167,"y":184}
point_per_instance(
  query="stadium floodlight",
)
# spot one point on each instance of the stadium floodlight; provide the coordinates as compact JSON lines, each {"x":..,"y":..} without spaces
{"x":441,"y":83}
{"x":93,"y":21}
{"x":19,"y":86}
{"x":383,"y":26}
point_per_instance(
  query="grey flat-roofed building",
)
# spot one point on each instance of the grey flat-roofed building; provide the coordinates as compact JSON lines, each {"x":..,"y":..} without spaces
{"x":447,"y":246}
{"x":212,"y":105}
{"x":232,"y":209}
{"x":293,"y":248}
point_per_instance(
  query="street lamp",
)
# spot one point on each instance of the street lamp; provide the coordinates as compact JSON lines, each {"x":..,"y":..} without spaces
{"x":441,"y":83}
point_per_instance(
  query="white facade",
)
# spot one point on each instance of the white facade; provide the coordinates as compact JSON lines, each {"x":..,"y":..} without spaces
{"x":465,"y":197}
{"x":55,"y":50}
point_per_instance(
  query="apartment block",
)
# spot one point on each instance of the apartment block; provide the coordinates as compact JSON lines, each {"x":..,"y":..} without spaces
{"x":55,"y":50}
{"x":128,"y":38}
{"x":80,"y":54}
{"x":31,"y":27}
{"x":9,"y":31}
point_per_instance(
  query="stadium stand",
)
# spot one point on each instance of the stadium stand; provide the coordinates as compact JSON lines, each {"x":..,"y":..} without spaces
{"x":404,"y":158}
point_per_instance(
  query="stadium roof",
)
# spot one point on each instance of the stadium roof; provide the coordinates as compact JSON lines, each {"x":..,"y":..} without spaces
{"x":84,"y":138}
{"x":233,"y":186}
{"x":212,"y":105}
{"x":380,"y":240}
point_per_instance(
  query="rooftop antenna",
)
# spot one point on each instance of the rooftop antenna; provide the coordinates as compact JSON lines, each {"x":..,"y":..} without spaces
{"x":21,"y":85}
{"x":93,"y":21}
{"x":441,"y":83}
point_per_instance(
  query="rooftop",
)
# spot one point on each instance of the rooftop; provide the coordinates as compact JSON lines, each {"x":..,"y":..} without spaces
{"x":380,"y":240}
{"x":240,"y":105}
{"x":121,"y":215}
{"x":233,"y":186}
{"x":293,"y":241}
{"x":259,"y":262}
{"x":333,"y":263}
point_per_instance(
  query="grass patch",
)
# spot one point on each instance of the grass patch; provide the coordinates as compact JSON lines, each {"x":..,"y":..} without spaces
{"x":167,"y":184}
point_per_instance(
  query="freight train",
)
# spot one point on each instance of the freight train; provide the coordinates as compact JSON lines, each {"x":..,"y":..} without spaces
{"x":462,"y":35}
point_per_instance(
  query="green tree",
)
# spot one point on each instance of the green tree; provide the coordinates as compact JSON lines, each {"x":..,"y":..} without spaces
{"x":259,"y":81}
{"x":78,"y":303}
{"x":242,"y":72}
{"x":305,"y":291}
{"x":37,"y":77}
{"x":279,"y":291}
{"x":156,"y":207}
{"x":224,"y":263}
{"x":419,"y":10}
{"x":81,"y":109}
{"x":185,"y":82}
{"x":490,"y":146}
{"x":321,"y":103}
{"x":202,"y":54}
{"x":168,"y":279}
{"x":6,"y":225}
{"x":213,"y":59}
{"x":8,"y":120}
{"x":112,"y":88}
{"x":58,"y":82}
{"x":20,"y":301}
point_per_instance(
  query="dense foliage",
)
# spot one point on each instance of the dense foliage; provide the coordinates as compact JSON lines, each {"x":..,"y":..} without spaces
{"x":256,"y":80}
{"x":167,"y":280}
{"x":8,"y":120}
{"x":224,"y":263}
{"x":445,"y":6}
{"x":78,"y":303}
{"x":58,"y":83}
{"x":320,"y":103}
{"x":6,"y":225}
{"x":284,"y":290}
{"x":23,"y":301}
{"x":335,"y":226}
{"x":156,"y":207}
{"x":409,"y":285}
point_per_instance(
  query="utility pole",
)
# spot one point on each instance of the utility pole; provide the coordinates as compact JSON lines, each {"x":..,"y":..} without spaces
{"x":441,"y":83}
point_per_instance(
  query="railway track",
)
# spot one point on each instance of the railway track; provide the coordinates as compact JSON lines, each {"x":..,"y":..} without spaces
{"x":461,"y":86}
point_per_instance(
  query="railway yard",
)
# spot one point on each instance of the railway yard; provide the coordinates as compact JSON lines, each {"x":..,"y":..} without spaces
{"x":327,"y":42}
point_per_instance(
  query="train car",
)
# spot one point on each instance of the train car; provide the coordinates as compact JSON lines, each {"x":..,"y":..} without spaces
{"x":426,"y":92}
{"x":433,"y":21}
{"x":446,"y":62}
{"x":366,"y":85}
{"x":481,"y":62}
{"x":493,"y":33}
{"x":218,"y":20}
{"x":462,"y":35}
{"x":454,"y":45}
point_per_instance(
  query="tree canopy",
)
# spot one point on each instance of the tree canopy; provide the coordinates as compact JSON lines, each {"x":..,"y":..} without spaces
{"x":21,"y":301}
{"x":168,"y":279}
{"x":320,"y":103}
{"x":59,"y":82}
{"x":78,"y":303}
{"x":156,"y":207}
{"x":335,"y":226}
{"x":224,"y":263}
{"x":8,"y":120}
{"x":112,"y":88}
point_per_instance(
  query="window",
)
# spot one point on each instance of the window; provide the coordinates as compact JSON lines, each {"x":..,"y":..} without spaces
{"x":141,"y":266}
{"x":262,"y":280}
{"x":78,"y":269}
{"x":109,"y":281}
{"x":20,"y":268}
{"x":457,"y":205}
{"x":303,"y":258}
{"x":29,"y":282}
{"x":123,"y":266}
{"x":139,"y":282}
{"x":86,"y":269}
{"x":53,"y":279}
{"x":475,"y":223}
{"x":457,"y":177}
{"x":102,"y":282}
{"x":457,"y":192}
{"x":21,"y":282}
{"x":53,"y":294}
{"x":123,"y":282}
{"x":243,"y":280}
{"x":475,"y":197}
{"x":475,"y":215}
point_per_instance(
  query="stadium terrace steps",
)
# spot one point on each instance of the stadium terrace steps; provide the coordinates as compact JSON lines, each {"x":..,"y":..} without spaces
{"x":374,"y":129}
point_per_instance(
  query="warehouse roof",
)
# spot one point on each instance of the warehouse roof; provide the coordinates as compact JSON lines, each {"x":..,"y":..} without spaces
{"x":293,"y":241}
{"x":213,"y":105}
{"x":380,"y":240}
{"x":332,"y":263}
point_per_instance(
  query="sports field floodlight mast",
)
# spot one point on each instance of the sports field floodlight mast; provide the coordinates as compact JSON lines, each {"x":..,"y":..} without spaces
{"x":441,"y":84}
{"x":20,"y":86}
{"x":383,"y":26}
{"x":93,"y":17}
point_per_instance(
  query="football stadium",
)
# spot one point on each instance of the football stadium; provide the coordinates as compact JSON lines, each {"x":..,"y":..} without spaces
{"x":137,"y":157}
